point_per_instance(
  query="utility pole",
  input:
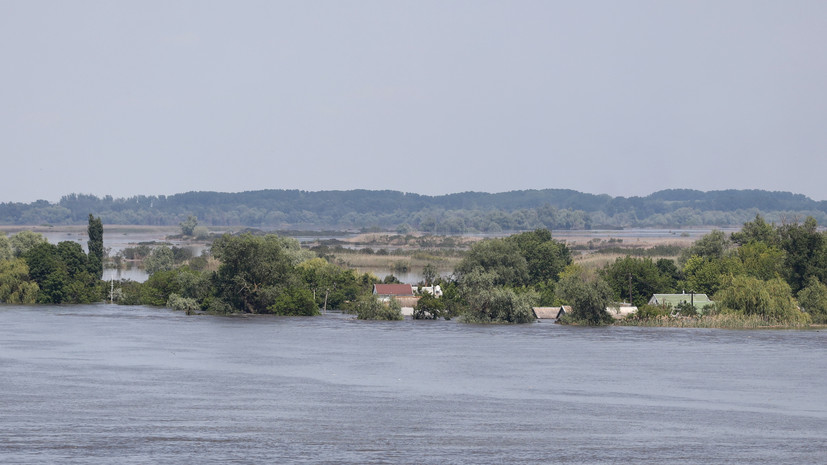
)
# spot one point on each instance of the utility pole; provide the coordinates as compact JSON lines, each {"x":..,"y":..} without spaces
{"x":630,"y":288}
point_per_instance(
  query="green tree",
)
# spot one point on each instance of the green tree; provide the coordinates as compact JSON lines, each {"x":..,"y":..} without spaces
{"x":757,"y":230}
{"x":158,"y":288}
{"x":488,"y":303}
{"x":545,"y":257}
{"x":5,"y":248}
{"x":429,"y":274}
{"x":761,"y":260}
{"x":15,"y":285}
{"x":95,"y":244}
{"x":588,"y":297}
{"x":160,"y":259}
{"x":707,"y":275}
{"x":188,"y":226}
{"x":369,"y":307}
{"x":24,"y":241}
{"x":61,"y":273}
{"x":714,"y":245}
{"x":429,"y":307}
{"x":252,"y":270}
{"x":186,"y":304}
{"x":813,"y":300}
{"x":641,"y":275}
{"x":771,"y":300}
{"x":294,"y":301}
{"x":499,"y":257}
{"x":806,"y":253}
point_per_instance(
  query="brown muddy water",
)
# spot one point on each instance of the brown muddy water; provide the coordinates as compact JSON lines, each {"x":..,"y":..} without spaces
{"x":133,"y":385}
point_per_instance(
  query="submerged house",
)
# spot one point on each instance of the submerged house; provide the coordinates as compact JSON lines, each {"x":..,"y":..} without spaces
{"x":550,"y":313}
{"x":621,"y":310}
{"x":403,"y":293}
{"x":699,"y":301}
{"x":545,"y":313}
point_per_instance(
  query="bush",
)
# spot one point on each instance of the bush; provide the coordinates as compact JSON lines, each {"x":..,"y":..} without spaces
{"x":646,"y":312}
{"x":176,"y":302}
{"x":294,"y":302}
{"x":429,"y":308}
{"x":369,"y":307}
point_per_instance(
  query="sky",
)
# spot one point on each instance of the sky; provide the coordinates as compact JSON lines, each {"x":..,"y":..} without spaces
{"x":607,"y":97}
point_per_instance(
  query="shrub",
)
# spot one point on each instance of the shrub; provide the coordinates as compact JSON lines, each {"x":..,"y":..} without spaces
{"x":294,"y":302}
{"x":176,"y":302}
{"x":369,"y":307}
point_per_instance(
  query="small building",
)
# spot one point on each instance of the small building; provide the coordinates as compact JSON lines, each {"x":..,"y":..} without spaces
{"x":393,"y":290}
{"x":621,"y":310}
{"x":673,"y":300}
{"x":403,"y":293}
{"x":545,"y":313}
{"x":435,"y":291}
{"x":563,"y":310}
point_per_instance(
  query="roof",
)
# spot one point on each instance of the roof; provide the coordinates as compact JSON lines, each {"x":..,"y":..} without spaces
{"x":619,"y":311}
{"x":546,"y":312}
{"x":393,"y":289}
{"x":700,"y":300}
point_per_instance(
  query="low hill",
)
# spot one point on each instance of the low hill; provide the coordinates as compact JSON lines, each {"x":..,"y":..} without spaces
{"x":452,"y":213}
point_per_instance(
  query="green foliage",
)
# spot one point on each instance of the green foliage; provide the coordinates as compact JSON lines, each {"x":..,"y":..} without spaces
{"x":127,"y":292}
{"x":771,"y":300}
{"x":523,"y":259}
{"x":429,"y":307}
{"x":756,"y":230}
{"x":588,"y":299}
{"x":369,"y":307}
{"x":5,"y":248}
{"x":186,"y":304}
{"x":24,"y":241}
{"x":712,"y":246}
{"x":188,"y":226}
{"x":429,"y":274}
{"x":498,"y":257}
{"x":95,"y":245}
{"x":813,"y":300}
{"x":706,"y":275}
{"x":15,"y":285}
{"x":641,"y":274}
{"x":252,"y":270}
{"x":488,"y":303}
{"x":646,"y":312}
{"x":686,"y":309}
{"x":545,"y":257}
{"x":294,"y":301}
{"x":61,"y":273}
{"x":201,"y":233}
{"x":160,"y":259}
{"x":761,"y":260}
{"x":158,"y":287}
{"x":806,"y":253}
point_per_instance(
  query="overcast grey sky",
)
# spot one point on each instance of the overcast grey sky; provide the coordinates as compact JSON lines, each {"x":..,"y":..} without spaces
{"x":617,"y":97}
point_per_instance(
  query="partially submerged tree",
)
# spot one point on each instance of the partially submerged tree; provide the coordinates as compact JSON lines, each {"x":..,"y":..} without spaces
{"x":95,"y":245}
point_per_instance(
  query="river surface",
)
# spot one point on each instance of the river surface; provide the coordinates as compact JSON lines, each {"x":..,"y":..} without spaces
{"x":105,"y":384}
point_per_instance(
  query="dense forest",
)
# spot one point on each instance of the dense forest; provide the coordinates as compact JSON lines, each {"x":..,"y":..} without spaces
{"x":444,"y":214}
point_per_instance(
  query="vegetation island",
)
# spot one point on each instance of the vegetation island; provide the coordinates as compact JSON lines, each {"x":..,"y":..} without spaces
{"x":763,"y":275}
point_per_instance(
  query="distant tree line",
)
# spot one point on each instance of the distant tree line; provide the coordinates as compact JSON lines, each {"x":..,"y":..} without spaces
{"x":446,"y":214}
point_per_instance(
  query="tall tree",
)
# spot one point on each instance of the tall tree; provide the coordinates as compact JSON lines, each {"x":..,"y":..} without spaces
{"x":95,"y":243}
{"x":806,"y":250}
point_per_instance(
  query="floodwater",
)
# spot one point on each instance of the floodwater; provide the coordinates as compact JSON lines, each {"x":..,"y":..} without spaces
{"x":132,"y":385}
